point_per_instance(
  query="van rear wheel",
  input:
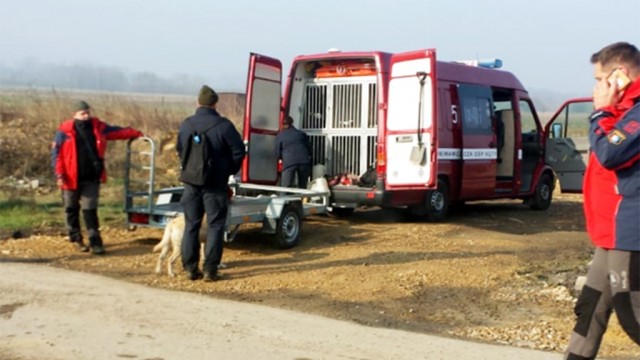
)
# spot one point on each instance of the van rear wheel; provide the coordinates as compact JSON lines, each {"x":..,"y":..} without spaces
{"x":437,"y":202}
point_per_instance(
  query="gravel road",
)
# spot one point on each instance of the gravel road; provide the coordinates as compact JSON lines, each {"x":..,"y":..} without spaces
{"x":52,"y":313}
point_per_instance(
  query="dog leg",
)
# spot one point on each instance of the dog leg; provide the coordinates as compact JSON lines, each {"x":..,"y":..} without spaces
{"x":174,"y":256}
{"x":163,"y":255}
{"x":164,"y":245}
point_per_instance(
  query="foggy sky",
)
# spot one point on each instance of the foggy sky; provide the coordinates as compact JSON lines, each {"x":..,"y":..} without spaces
{"x":546,"y":43}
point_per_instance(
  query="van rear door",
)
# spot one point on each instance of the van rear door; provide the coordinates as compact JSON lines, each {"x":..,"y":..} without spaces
{"x":567,"y":143}
{"x":262,"y":119}
{"x":411,"y":143}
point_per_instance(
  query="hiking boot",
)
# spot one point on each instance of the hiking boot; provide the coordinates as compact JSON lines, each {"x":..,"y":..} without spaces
{"x":194,"y":275}
{"x":80,"y":245}
{"x":97,"y":250}
{"x":211,"y":277}
{"x":95,"y":243}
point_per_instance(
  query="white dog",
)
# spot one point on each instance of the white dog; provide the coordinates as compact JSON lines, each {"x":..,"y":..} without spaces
{"x":172,"y":239}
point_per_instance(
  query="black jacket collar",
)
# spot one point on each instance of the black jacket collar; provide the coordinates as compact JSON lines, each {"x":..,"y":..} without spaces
{"x":202,"y":110}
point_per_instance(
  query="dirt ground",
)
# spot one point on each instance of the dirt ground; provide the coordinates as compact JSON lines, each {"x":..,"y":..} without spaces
{"x":495,"y":272}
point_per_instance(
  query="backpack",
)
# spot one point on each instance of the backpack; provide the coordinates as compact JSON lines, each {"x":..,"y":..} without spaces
{"x":195,"y":162}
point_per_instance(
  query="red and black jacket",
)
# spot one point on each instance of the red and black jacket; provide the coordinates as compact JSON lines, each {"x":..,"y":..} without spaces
{"x":64,"y":156}
{"x":612,"y":180}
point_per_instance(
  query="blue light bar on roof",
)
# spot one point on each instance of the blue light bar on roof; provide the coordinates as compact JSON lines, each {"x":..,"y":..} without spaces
{"x":485,"y":63}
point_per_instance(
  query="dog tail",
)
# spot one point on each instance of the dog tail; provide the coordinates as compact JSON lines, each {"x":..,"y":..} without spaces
{"x":166,"y":237}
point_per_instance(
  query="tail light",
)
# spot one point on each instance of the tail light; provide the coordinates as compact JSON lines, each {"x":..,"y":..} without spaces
{"x":138,"y":218}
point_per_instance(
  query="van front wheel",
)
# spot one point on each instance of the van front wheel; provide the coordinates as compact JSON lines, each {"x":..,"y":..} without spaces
{"x":541,"y":198}
{"x":437,"y":202}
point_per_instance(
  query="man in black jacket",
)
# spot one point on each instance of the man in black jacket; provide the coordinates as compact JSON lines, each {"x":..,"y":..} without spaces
{"x":224,"y":158}
{"x":292,"y":146}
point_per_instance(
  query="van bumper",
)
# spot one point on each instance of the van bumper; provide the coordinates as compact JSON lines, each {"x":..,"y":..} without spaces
{"x":354,"y":196}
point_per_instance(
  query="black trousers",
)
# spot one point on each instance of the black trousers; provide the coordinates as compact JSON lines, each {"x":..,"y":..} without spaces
{"x":196,"y":201}
{"x":289,"y":175}
{"x":84,"y":198}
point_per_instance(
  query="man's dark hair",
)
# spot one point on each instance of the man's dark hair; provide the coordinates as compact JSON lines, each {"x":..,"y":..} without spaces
{"x":620,"y":52}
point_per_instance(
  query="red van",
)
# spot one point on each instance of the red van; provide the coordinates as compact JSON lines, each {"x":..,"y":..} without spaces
{"x":434,"y":133}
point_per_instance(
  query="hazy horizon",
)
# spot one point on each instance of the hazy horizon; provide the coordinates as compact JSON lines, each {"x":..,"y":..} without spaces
{"x":546,"y":44}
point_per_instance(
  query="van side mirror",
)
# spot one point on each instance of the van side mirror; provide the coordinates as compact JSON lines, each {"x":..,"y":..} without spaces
{"x":556,"y":130}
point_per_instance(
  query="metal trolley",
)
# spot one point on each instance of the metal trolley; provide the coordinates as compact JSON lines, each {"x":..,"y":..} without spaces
{"x":280,"y":210}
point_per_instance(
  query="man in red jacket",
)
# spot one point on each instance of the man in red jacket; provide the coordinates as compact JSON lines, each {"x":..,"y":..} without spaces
{"x":612,"y":203}
{"x":77,"y":157}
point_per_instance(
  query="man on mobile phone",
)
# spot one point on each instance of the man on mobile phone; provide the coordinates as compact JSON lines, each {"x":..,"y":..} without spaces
{"x":612,"y":202}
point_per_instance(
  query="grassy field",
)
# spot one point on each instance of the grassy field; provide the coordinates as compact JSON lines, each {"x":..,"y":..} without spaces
{"x":28,"y":121}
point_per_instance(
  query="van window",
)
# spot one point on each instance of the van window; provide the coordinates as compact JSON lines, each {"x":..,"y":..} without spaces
{"x":528,"y":121}
{"x":572,"y":121}
{"x":476,"y":109}
{"x":477,"y":116}
{"x":502,"y":99}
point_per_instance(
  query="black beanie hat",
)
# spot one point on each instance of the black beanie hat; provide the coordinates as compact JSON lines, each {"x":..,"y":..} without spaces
{"x":207,"y":96}
{"x":80,"y":106}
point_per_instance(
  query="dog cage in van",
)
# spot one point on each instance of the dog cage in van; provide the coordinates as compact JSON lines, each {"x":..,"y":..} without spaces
{"x":337,"y":99}
{"x":340,"y":116}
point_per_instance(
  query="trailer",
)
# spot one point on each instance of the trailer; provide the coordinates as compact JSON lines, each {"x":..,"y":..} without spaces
{"x":280,"y":210}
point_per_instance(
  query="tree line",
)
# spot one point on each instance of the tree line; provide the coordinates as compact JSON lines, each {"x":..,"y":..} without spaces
{"x":32,"y":73}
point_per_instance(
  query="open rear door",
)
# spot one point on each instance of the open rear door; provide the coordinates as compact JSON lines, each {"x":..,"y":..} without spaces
{"x":411,"y":121}
{"x":262,"y":119}
{"x":567,"y":143}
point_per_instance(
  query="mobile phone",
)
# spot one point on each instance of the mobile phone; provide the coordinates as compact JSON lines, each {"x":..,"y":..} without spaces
{"x":620,"y":77}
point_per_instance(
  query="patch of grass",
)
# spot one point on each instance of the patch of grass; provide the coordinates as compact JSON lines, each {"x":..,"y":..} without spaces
{"x":28,"y":211}
{"x":18,"y":214}
{"x":111,"y":213}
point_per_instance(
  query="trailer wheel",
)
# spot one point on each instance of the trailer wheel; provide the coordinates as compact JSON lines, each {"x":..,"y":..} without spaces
{"x":437,"y":202}
{"x":289,"y":227}
{"x":541,"y":198}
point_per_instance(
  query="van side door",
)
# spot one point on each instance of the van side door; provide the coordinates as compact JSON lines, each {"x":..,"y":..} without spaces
{"x":262,"y":119}
{"x":479,"y":145}
{"x":567,"y":143}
